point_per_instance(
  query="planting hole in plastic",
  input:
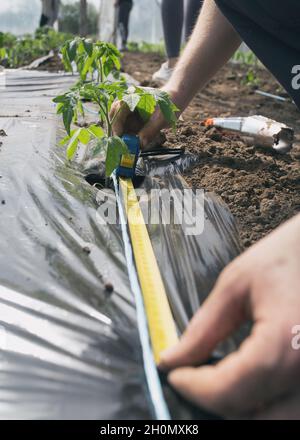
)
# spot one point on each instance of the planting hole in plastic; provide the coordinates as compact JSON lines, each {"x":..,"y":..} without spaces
{"x":100,"y":182}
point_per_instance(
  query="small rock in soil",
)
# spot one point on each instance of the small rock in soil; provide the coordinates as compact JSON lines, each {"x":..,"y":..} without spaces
{"x":214,"y":135}
{"x":187,"y":131}
{"x":87,"y":250}
{"x":212,"y":149}
{"x":109,"y":288}
{"x":3,"y":202}
{"x":296,"y":154}
{"x":231,"y":77}
{"x":2,"y":133}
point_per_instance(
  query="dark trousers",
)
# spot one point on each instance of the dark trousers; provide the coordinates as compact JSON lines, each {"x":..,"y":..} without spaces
{"x":44,"y":20}
{"x":271,"y":29}
{"x":123,"y":20}
{"x":174,"y":19}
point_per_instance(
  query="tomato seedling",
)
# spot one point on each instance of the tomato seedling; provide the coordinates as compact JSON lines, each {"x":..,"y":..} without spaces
{"x":101,"y":83}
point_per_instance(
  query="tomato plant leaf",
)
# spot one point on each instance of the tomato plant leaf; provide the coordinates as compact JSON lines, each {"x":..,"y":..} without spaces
{"x":146,"y":106}
{"x":167,"y":108}
{"x":132,"y":100}
{"x":72,"y":49}
{"x":88,"y":46}
{"x":67,"y":138}
{"x":66,"y":59}
{"x":87,"y":66}
{"x":3,"y":53}
{"x":115,"y":148}
{"x":73,"y":144}
{"x":101,"y":146}
{"x":84,"y":136}
{"x":68,"y":114}
{"x":96,"y":131}
{"x":59,"y":99}
{"x":168,"y":112}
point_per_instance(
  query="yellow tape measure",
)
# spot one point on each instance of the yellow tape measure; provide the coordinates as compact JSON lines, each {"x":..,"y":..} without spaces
{"x":161,"y":324}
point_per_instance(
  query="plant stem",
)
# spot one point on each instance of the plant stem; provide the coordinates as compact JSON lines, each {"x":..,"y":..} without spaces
{"x":100,"y":71}
{"x":109,"y":124}
{"x":106,"y":116}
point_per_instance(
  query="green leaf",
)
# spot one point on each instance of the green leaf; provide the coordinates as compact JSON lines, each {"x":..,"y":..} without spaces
{"x":59,"y":99}
{"x":68,"y":114}
{"x":88,"y":46}
{"x":3,"y":53}
{"x":80,"y":47}
{"x":115,"y":148}
{"x":116,"y":61}
{"x":108,"y":66}
{"x":72,"y":50}
{"x":132,"y":100}
{"x":167,"y":108}
{"x":66,"y":59}
{"x":84,"y":136}
{"x":96,"y":131}
{"x":167,"y":112}
{"x":80,"y":108}
{"x":146,"y":106}
{"x":101,"y":146}
{"x":72,"y":147}
{"x":86,"y":67}
{"x":67,"y":138}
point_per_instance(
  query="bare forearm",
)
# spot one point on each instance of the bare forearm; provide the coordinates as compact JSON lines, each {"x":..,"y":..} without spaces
{"x":213,"y":42}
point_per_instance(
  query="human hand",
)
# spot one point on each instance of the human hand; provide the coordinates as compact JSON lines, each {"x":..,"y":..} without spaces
{"x":261,"y":379}
{"x":131,"y":123}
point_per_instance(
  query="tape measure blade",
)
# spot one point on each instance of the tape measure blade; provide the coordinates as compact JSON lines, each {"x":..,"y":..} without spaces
{"x":161,"y":324}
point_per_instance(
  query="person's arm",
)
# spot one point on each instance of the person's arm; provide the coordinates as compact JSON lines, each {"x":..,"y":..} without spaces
{"x":261,"y":379}
{"x":212,"y":43}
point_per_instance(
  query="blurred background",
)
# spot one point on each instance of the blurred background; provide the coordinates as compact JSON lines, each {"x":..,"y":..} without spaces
{"x":22,"y":16}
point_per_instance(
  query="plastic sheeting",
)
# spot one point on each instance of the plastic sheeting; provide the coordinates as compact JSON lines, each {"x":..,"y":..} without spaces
{"x":69,"y":347}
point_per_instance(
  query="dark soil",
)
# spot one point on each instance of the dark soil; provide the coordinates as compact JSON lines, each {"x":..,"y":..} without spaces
{"x":261,"y":187}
